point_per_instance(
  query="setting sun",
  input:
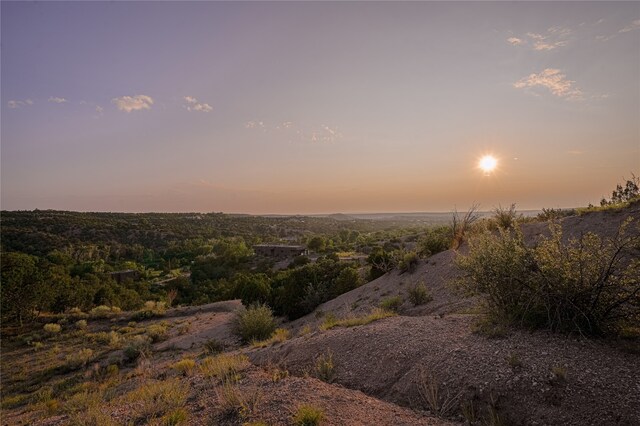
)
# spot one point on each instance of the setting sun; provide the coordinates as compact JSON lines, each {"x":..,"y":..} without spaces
{"x":488,"y":163}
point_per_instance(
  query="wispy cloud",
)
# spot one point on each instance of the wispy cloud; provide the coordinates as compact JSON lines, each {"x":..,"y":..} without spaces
{"x":254,"y":124}
{"x":99,"y":109}
{"x":553,"y":80}
{"x":635,"y":25}
{"x":551,"y":39}
{"x":295,"y":132}
{"x":133,"y":103}
{"x":57,"y":100}
{"x":194,"y":105}
{"x":554,"y":37}
{"x":15,"y":104}
{"x":515,"y":41}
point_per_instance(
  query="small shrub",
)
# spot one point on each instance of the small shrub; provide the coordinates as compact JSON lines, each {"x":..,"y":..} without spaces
{"x":139,"y":345}
{"x":156,"y":332}
{"x":460,"y":226}
{"x":559,"y":374}
{"x":223,"y":366}
{"x":391,"y":304}
{"x":14,"y":401}
{"x":154,"y":399}
{"x":429,"y":390}
{"x":435,"y":240}
{"x":305,"y":330}
{"x":151,"y":309}
{"x":79,"y":359}
{"x":491,"y":327}
{"x":184,"y":366}
{"x":514,"y":361}
{"x":506,"y":218}
{"x":212,"y":347}
{"x":184,"y":328}
{"x":254,"y":323}
{"x":377,"y":314}
{"x":408,"y":262}
{"x":101,"y":311}
{"x":52,"y":329}
{"x":279,"y":336}
{"x":419,"y":295}
{"x":81,"y":324}
{"x":176,"y":417}
{"x":76,"y":313}
{"x":112,"y":339}
{"x":308,"y":415}
{"x":324,"y":367}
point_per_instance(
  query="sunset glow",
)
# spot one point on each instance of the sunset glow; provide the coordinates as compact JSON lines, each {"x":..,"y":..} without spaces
{"x":316,"y":107}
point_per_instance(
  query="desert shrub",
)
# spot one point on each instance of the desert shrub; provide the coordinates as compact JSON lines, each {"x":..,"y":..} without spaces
{"x":251,"y":288}
{"x":154,"y":399}
{"x":151,"y":309}
{"x":156,"y":332}
{"x":78,"y":359}
{"x":381,"y":262}
{"x":136,"y":347}
{"x":506,"y":218}
{"x":391,"y":304}
{"x":460,"y":225}
{"x":81,"y":324}
{"x":554,"y":214}
{"x":419,"y":295}
{"x":324,"y":367}
{"x":279,"y":336}
{"x":14,"y":401}
{"x":588,"y":284}
{"x":254,"y":323}
{"x":52,"y":329}
{"x":621,"y":195}
{"x":330,"y":320}
{"x":102,"y":311}
{"x":213,"y":346}
{"x":435,"y":240}
{"x":184,"y":366}
{"x":111,"y":338}
{"x":176,"y":417}
{"x":408,"y":262}
{"x":224,"y":366}
{"x":440,"y":403}
{"x":308,"y":415}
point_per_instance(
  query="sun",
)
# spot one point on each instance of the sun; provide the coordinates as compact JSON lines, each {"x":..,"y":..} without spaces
{"x":488,"y":163}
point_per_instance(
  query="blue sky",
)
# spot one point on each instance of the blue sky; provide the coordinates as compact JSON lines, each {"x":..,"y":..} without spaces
{"x":316,"y":107}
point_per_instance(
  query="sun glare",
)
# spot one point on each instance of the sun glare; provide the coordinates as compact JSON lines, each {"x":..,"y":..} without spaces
{"x":488,"y":163}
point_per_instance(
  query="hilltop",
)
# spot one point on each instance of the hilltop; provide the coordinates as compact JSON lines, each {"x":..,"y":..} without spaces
{"x":424,"y":364}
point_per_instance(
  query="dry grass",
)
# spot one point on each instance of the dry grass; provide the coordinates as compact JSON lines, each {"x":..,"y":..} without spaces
{"x":224,"y":366}
{"x":377,"y":314}
{"x":185,"y":366}
{"x":156,"y":398}
{"x":308,"y":415}
{"x":279,"y":336}
{"x":429,"y":389}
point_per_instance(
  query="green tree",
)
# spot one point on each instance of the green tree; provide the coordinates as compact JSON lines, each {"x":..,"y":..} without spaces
{"x":317,"y":244}
{"x":21,"y":286}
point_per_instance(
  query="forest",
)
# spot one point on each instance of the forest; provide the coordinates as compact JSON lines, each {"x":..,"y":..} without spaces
{"x":54,"y":261}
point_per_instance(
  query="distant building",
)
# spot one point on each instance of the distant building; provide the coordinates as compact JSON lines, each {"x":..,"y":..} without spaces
{"x":280,"y":251}
{"x":120,"y":276}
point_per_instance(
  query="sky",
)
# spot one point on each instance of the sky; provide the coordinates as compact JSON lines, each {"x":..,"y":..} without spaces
{"x":316,"y":107}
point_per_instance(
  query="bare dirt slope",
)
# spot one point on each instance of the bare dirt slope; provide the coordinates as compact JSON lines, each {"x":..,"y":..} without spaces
{"x":436,"y":273}
{"x":528,"y":378}
{"x":386,"y":358}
